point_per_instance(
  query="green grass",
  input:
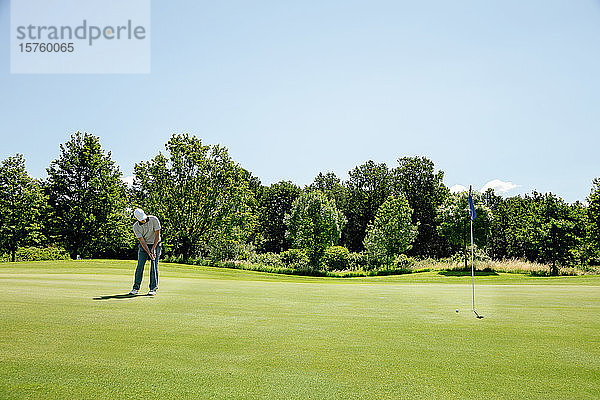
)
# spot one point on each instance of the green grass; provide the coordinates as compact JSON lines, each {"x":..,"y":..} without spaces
{"x":231,"y":334}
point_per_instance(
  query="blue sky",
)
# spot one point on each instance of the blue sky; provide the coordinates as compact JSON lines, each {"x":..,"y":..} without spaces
{"x":489,"y":90}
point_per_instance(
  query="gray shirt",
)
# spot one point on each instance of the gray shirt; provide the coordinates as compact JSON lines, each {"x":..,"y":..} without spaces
{"x":146,"y":230}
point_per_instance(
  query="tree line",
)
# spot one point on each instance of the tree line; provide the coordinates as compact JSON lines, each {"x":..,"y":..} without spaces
{"x":211,"y":207}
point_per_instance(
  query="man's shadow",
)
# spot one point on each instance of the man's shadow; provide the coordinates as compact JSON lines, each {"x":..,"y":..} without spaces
{"x":120,"y":296}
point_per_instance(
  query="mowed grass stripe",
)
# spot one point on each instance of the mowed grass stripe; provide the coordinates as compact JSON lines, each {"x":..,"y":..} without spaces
{"x":247,"y":335}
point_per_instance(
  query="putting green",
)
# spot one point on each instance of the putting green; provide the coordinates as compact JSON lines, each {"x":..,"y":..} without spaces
{"x":215,"y":333}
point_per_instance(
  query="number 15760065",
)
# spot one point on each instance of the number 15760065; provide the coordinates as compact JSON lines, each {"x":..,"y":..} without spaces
{"x":46,"y":47}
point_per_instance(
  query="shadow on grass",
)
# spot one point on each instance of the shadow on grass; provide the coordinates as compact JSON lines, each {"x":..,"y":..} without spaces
{"x":466,"y":272}
{"x":120,"y":296}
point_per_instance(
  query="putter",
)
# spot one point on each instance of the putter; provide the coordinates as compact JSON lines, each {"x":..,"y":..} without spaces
{"x":477,"y":315}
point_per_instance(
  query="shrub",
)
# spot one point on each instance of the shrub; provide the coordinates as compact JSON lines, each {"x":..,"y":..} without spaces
{"x":272,"y":259}
{"x":222,"y":248}
{"x":403,"y":262}
{"x":39,"y":254}
{"x":246,"y":251}
{"x":358,"y":261}
{"x":295,"y":258}
{"x":336,"y":258}
{"x":479,"y":256}
{"x":173,"y":259}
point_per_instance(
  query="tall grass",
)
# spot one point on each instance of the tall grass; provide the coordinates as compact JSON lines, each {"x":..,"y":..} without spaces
{"x":513,"y":265}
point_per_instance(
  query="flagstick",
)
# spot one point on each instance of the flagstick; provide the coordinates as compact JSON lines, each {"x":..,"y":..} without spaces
{"x":473,"y":216}
{"x":472,"y":269}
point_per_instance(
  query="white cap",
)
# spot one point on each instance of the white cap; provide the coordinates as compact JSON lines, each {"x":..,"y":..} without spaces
{"x":139,"y":214}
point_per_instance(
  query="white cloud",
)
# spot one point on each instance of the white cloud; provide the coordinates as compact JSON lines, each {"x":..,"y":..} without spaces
{"x":457,"y":189}
{"x":499,"y":186}
{"x":128,"y":180}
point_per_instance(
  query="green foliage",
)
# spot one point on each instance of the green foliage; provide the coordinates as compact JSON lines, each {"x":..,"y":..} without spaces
{"x":267,"y":259}
{"x":513,"y":227}
{"x":87,"y":200}
{"x":367,"y":188}
{"x":336,"y":258}
{"x":295,"y":258}
{"x":403,"y":262}
{"x":21,"y":204}
{"x":201,"y":196}
{"x":274,"y":203}
{"x":224,"y":246}
{"x":538,"y":227}
{"x":479,"y":256}
{"x":314,"y":224}
{"x":332,"y":187}
{"x":358,"y":261}
{"x":578,"y":254}
{"x":416,"y":179}
{"x":454,"y":221}
{"x":391,"y":232}
{"x":503,"y":225}
{"x":548,"y":231}
{"x":212,"y":208}
{"x":244,"y":251}
{"x":592,"y":237}
{"x":38,"y":254}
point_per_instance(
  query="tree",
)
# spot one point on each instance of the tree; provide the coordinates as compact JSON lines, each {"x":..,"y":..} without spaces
{"x":332,"y":187}
{"x":538,"y":227}
{"x":549,"y":230}
{"x":368,"y":186}
{"x":592,"y":239}
{"x":392,"y":231}
{"x":578,"y":250}
{"x":500,"y":244}
{"x":416,"y":179}
{"x":254,"y":184}
{"x":88,"y":200}
{"x":314,"y":223}
{"x":202,"y":197}
{"x":453,"y":221}
{"x":21,"y":203}
{"x":274,"y":203}
{"x":506,"y":225}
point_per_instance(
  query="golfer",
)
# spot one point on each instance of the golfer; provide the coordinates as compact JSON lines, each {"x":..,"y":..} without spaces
{"x":147,"y":231}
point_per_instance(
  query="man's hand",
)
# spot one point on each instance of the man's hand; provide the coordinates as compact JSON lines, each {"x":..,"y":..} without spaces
{"x":156,"y":240}
{"x":151,"y":253}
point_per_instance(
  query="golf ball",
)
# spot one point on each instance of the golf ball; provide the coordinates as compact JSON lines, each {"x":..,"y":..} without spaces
{"x":457,"y":310}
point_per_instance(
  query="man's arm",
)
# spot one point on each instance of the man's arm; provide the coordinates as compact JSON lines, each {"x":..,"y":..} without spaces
{"x":156,"y":240}
{"x":145,"y":246}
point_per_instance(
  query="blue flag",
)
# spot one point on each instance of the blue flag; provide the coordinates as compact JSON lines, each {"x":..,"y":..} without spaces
{"x":471,"y":206}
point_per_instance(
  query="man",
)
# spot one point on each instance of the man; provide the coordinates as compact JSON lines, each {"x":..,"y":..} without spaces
{"x":147,"y":231}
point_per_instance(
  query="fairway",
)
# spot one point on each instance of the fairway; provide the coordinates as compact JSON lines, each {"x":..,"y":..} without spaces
{"x":229,"y":334}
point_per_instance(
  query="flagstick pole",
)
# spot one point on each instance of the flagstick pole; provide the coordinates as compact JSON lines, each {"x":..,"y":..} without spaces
{"x":472,"y":268}
{"x":473,"y":215}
